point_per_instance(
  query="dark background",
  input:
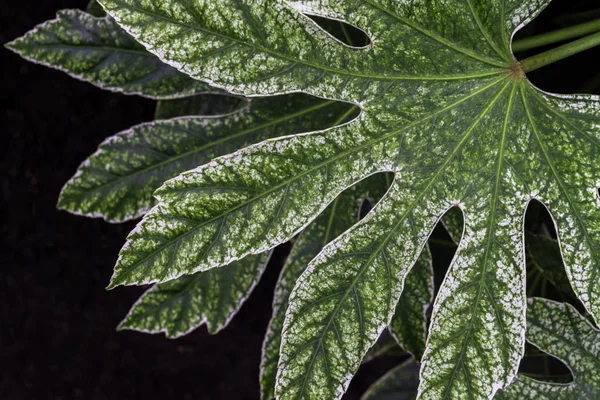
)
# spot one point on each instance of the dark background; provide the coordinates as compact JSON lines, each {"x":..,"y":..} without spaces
{"x":57,"y":323}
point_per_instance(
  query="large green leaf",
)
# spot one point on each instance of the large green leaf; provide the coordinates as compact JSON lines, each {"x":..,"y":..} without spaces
{"x":212,"y":297}
{"x":117,"y":181}
{"x":446,"y":107}
{"x":558,"y":329}
{"x":97,"y":50}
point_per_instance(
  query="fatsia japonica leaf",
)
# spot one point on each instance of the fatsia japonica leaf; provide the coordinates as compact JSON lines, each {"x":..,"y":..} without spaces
{"x":98,"y":51}
{"x":558,"y":329}
{"x":338,"y":217}
{"x":212,"y":297}
{"x":400,"y":383}
{"x":117,"y":181}
{"x":447,"y":108}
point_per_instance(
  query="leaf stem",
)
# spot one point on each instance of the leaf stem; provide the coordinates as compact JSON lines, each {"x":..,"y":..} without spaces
{"x":560,"y":35}
{"x":561,"y":52}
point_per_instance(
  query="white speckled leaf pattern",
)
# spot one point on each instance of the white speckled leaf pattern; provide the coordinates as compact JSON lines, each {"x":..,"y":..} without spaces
{"x":212,"y":297}
{"x":117,"y":181}
{"x":338,"y":217}
{"x":400,"y":383}
{"x":558,"y":329}
{"x":98,"y":51}
{"x":446,"y":108}
{"x":409,"y":324}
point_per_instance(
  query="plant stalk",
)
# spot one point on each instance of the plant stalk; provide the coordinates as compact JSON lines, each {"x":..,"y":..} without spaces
{"x":560,"y":35}
{"x":561,"y":52}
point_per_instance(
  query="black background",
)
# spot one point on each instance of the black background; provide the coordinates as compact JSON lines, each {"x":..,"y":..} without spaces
{"x":57,"y":323}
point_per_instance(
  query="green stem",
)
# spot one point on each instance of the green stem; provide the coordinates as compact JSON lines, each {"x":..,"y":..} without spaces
{"x":557,"y":54}
{"x":560,"y":35}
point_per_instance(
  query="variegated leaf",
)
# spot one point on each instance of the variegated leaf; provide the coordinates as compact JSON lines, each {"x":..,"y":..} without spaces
{"x":409,"y":324}
{"x":446,"y":107}
{"x":98,"y":51}
{"x":339,"y":216}
{"x":212,"y":297}
{"x":117,"y":182}
{"x":558,"y":329}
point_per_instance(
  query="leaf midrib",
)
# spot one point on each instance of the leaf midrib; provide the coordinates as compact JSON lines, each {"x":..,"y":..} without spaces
{"x":482,"y":284}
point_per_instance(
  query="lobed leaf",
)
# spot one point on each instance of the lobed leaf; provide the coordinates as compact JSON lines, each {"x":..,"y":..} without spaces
{"x":447,"y":109}
{"x":98,"y":51}
{"x":212,"y":297}
{"x":117,"y":182}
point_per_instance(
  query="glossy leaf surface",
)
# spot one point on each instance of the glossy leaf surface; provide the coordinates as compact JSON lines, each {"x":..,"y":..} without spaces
{"x":444,"y":106}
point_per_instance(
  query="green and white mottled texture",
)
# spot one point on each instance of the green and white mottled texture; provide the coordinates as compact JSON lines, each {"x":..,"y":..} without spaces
{"x":116,"y":183}
{"x":558,"y":329}
{"x":212,"y":297}
{"x":409,"y":323}
{"x":400,"y":383}
{"x":446,"y":108}
{"x":338,"y":217}
{"x":98,"y":51}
